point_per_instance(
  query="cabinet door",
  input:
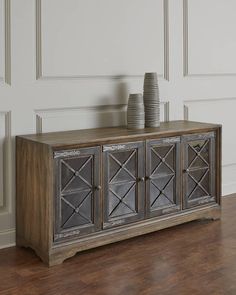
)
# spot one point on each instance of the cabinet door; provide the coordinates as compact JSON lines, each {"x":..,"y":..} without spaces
{"x":199,"y":169}
{"x":77,"y":192}
{"x":163,"y":177}
{"x":124,"y":189}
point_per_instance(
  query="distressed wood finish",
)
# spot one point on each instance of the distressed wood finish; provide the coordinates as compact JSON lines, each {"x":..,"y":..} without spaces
{"x":34,"y":182}
{"x":89,"y":137}
{"x":54,"y":166}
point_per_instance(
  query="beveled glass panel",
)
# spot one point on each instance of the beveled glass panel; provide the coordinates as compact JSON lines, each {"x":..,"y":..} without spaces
{"x":122,"y":199}
{"x":76,"y":174}
{"x":122,"y":166}
{"x":76,"y":209}
{"x":162,"y":191}
{"x":162,"y":161}
{"x":198,"y":154}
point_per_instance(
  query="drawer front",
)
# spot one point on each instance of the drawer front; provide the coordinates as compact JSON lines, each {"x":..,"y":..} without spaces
{"x":199,"y":169}
{"x":77,"y":193}
{"x":124,"y":187}
{"x":163,"y":177}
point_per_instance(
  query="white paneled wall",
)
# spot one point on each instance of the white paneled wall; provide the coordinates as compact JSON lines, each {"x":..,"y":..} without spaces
{"x":70,"y":64}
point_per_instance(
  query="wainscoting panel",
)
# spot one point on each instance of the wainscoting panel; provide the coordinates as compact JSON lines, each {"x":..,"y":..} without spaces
{"x":50,"y":120}
{"x":1,"y":40}
{"x":5,"y":41}
{"x":209,"y":38}
{"x":101,"y":39}
{"x":5,"y":161}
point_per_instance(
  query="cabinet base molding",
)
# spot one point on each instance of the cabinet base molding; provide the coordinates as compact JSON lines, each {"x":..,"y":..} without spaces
{"x":64,"y":251}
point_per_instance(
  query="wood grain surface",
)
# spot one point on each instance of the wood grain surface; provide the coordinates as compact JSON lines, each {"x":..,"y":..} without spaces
{"x":86,"y":137}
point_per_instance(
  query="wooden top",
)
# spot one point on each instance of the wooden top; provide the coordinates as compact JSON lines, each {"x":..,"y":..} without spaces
{"x":92,"y":136}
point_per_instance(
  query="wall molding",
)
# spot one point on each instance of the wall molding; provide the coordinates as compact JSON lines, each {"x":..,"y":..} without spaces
{"x":228,"y":188}
{"x":207,"y":100}
{"x":7,"y":238}
{"x":186,"y":72}
{"x":6,"y":198}
{"x":186,"y":114}
{"x":7,"y":43}
{"x":42,"y":114}
{"x":39,"y":53}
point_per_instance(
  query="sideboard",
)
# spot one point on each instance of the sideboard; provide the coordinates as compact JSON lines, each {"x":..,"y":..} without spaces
{"x":82,"y":189}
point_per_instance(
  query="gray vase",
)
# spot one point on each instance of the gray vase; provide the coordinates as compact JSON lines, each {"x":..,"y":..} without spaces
{"x":151,"y":100}
{"x":135,"y":112}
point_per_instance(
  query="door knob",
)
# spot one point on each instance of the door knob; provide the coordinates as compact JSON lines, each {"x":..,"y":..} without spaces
{"x":186,"y":170}
{"x":141,"y":179}
{"x":97,"y":188}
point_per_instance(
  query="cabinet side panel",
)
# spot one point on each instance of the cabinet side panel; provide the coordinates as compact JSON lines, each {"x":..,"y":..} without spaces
{"x":219,"y":165}
{"x":34,"y":185}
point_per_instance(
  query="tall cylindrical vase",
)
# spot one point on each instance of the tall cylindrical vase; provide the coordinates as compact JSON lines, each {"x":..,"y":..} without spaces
{"x":151,"y":100}
{"x":135,"y":112}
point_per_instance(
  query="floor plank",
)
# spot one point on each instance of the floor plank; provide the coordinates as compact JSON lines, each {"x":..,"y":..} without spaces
{"x":197,"y":258}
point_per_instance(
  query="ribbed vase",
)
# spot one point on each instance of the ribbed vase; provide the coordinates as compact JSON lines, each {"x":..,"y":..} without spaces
{"x":135,"y":112}
{"x":151,"y":100}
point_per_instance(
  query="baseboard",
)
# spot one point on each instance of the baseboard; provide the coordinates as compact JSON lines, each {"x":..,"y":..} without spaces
{"x":7,"y":238}
{"x":229,"y":188}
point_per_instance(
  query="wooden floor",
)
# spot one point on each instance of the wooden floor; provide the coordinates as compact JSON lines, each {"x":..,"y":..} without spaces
{"x":195,"y":258}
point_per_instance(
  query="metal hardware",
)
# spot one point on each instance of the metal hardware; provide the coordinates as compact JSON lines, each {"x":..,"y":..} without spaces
{"x":141,"y":179}
{"x":117,"y":222}
{"x":207,"y":200}
{"x":97,"y":188}
{"x":203,"y":136}
{"x":170,"y":140}
{"x":107,"y":148}
{"x":169,"y":210}
{"x":63,"y":154}
{"x":67,"y":234}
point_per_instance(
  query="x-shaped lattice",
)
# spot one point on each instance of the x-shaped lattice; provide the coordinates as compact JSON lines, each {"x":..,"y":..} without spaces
{"x":198,"y":182}
{"x":121,"y":199}
{"x":76,"y":173}
{"x":198,"y":154}
{"x":76,"y":210}
{"x":122,"y":165}
{"x":162,"y":191}
{"x":163,"y":159}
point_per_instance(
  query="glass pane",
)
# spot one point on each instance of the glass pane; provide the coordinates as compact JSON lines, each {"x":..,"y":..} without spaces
{"x":119,"y":169}
{"x":81,"y":178}
{"x":198,"y":154}
{"x":76,"y":209}
{"x":162,"y":192}
{"x":163,"y":161}
{"x":122,"y":199}
{"x":198,"y":184}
